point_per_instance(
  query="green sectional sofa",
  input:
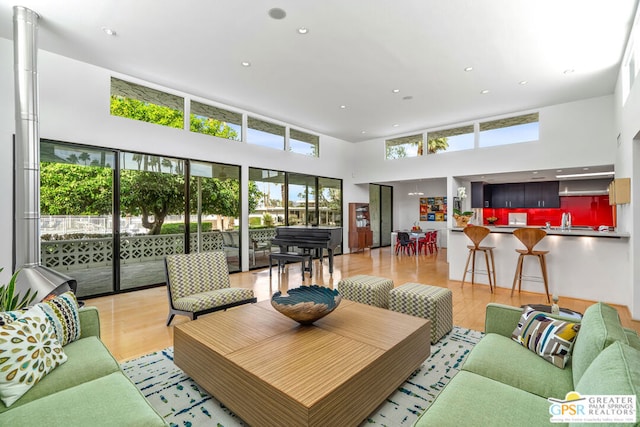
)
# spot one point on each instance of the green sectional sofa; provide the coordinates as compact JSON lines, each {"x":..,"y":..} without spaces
{"x":89,"y":389}
{"x":503,"y":383}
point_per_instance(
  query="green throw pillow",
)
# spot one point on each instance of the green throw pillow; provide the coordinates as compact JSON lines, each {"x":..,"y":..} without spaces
{"x":549,"y":338}
{"x":29,"y":350}
{"x":62,"y":312}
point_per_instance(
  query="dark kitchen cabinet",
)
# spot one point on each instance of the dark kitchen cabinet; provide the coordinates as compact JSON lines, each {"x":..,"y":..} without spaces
{"x":481,"y":195}
{"x":541,"y":195}
{"x":507,"y":195}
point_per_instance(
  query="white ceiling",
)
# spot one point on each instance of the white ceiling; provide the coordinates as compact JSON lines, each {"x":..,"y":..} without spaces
{"x":354,"y":54}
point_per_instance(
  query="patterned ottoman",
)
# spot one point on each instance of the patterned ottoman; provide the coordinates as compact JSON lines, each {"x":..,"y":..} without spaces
{"x":370,"y":290}
{"x":431,"y":302}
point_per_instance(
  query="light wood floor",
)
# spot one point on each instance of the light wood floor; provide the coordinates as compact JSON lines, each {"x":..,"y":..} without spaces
{"x":133,"y":323}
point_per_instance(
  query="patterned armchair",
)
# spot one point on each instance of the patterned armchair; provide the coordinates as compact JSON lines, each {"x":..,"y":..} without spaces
{"x":199,"y":284}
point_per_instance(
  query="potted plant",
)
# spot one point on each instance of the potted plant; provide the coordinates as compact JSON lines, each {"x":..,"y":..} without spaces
{"x":462,"y":218}
{"x":10,"y":300}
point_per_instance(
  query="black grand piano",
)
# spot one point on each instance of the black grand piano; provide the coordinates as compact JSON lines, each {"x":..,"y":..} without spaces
{"x":309,"y":237}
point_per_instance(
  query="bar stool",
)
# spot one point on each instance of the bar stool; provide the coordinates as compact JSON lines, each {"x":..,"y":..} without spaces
{"x":477,"y":233}
{"x":530,"y":237}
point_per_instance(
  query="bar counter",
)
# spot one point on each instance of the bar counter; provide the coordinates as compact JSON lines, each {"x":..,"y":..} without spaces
{"x":556,"y":231}
{"x":581,"y":263}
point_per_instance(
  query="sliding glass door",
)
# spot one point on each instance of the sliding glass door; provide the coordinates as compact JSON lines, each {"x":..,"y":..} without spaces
{"x":76,"y":220}
{"x":301,"y":192}
{"x":381,"y":211}
{"x":152,"y":206}
{"x":214,"y":206}
{"x":330,"y":202}
{"x":108,"y":218}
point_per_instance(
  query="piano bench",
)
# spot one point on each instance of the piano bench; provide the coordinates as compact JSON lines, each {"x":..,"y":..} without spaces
{"x":364,"y":289}
{"x":283,"y":257}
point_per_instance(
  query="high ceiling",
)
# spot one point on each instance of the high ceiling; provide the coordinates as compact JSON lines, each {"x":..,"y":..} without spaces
{"x":354,"y":54}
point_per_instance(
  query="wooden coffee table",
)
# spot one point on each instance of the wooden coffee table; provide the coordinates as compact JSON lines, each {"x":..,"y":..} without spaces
{"x":270,"y":371}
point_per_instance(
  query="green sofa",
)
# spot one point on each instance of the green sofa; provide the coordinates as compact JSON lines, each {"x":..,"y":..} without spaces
{"x":89,"y":389}
{"x":504,"y":384}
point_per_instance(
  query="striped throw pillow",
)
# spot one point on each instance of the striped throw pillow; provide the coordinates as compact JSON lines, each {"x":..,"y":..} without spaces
{"x":549,"y":338}
{"x":62,"y":312}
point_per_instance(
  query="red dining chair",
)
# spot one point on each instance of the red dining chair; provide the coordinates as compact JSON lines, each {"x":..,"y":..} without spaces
{"x":405,"y":244}
{"x":433,"y":241}
{"x":428,"y":243}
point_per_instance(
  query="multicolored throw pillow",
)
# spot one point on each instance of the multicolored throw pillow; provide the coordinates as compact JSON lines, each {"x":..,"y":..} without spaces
{"x":549,"y":338}
{"x":62,"y":312}
{"x":7,"y":317}
{"x":29,"y":350}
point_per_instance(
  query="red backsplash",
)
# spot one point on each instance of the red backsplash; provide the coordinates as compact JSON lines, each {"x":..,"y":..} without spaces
{"x":585,"y":210}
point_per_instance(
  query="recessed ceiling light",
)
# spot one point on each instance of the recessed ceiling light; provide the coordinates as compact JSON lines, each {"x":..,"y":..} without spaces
{"x":558,"y":170}
{"x":395,"y":90}
{"x":396,"y":125}
{"x":468,"y":69}
{"x":484,"y":91}
{"x":108,"y":31}
{"x":303,"y":30}
{"x":569,"y":71}
{"x":363,"y":132}
{"x":585,"y":169}
{"x":534,"y":172}
{"x":343,"y":106}
{"x":277,"y":13}
{"x":246,"y":64}
{"x":523,"y":82}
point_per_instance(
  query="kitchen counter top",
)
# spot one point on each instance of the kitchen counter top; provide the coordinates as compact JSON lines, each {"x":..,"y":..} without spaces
{"x":559,"y":232}
{"x":581,"y":263}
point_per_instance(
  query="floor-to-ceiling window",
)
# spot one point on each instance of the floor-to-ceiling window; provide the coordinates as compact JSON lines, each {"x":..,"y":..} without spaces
{"x":108,"y":218}
{"x":267,"y":209}
{"x":285,"y":198}
{"x":214,"y":206}
{"x":77,"y":213}
{"x":330,"y":202}
{"x":152,"y":200}
{"x":301,"y":204}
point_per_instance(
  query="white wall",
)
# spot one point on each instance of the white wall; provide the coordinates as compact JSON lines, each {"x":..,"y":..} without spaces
{"x":7,"y":129}
{"x":576,"y":134}
{"x":627,"y":119}
{"x":74,"y":107}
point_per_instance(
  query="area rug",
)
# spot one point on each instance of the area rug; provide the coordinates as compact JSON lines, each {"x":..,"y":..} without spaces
{"x":184,"y":403}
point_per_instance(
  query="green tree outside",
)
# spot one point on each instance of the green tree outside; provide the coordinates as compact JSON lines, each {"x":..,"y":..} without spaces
{"x":79,"y":189}
{"x":433,"y":146}
{"x":67,"y":189}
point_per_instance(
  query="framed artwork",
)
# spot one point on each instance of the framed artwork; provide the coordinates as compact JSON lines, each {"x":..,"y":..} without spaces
{"x":433,"y":208}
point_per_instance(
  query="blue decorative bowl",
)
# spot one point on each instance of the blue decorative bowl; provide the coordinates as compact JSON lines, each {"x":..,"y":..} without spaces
{"x":307,"y":304}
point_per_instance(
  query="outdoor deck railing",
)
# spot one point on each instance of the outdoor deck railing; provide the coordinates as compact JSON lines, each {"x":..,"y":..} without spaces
{"x":95,"y":252}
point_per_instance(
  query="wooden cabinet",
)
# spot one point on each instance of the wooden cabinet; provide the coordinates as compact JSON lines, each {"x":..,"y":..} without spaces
{"x":620,"y":191}
{"x":541,"y":194}
{"x":360,"y":234}
{"x":507,"y":195}
{"x":481,"y":195}
{"x":515,"y":195}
